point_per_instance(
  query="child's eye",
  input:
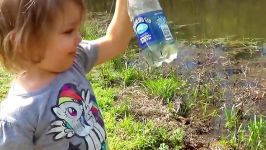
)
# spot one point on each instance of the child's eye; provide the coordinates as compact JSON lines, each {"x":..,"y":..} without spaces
{"x":68,"y":31}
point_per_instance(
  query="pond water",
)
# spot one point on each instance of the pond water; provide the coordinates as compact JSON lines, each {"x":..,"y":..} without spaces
{"x":208,"y":18}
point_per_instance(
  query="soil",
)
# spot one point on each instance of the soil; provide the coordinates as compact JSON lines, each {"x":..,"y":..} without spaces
{"x":144,"y":108}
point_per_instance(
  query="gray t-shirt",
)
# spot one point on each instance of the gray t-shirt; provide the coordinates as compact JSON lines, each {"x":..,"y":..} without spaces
{"x":62,"y":116}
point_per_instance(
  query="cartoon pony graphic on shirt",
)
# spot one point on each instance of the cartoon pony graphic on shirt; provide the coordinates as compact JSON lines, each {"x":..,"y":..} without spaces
{"x":78,"y":114}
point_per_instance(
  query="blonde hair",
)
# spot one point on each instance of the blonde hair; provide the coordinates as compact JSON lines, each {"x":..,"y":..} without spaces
{"x":23,"y":22}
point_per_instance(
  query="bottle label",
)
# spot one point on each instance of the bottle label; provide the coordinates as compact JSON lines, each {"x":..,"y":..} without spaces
{"x":151,"y":28}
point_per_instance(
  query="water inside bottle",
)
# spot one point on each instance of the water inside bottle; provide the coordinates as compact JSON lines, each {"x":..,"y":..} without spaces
{"x":154,"y":36}
{"x":157,"y":54}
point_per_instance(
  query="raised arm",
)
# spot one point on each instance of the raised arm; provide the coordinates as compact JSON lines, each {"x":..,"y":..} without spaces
{"x":118,"y":34}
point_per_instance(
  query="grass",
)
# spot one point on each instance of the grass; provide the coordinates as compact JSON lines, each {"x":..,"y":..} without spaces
{"x":249,"y":135}
{"x":132,"y":75}
{"x":5,"y":79}
{"x":164,"y":88}
{"x":257,"y":133}
{"x":232,"y":118}
{"x":146,"y":136}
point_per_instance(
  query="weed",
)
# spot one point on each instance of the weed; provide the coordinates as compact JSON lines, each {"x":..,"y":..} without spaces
{"x":119,"y":63}
{"x":164,"y":88}
{"x":91,"y":30}
{"x":189,"y":102}
{"x":106,"y":76}
{"x":132,"y":75}
{"x":237,"y":138}
{"x":5,"y":79}
{"x":163,"y":146}
{"x":177,"y":137}
{"x":257,"y":131}
{"x":105,"y":96}
{"x":231,"y":117}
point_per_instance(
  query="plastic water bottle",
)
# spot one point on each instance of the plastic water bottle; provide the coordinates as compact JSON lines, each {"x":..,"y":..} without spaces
{"x":152,"y":31}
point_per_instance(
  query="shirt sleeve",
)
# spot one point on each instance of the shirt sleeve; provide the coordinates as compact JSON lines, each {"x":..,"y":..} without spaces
{"x":87,"y":55}
{"x":13,"y":137}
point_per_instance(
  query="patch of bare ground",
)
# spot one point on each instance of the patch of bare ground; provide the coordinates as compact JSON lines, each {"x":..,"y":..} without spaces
{"x":146,"y":108}
{"x":200,"y":132}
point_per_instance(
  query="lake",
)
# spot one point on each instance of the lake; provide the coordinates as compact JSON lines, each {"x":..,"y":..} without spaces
{"x":207,"y":18}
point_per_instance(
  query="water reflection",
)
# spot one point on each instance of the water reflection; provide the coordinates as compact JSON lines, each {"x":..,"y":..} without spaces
{"x":208,"y":18}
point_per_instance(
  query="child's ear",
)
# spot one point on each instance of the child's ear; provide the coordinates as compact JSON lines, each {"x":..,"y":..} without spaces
{"x":12,"y":36}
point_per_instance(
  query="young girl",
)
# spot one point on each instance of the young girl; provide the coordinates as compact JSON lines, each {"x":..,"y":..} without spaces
{"x":51,"y":105}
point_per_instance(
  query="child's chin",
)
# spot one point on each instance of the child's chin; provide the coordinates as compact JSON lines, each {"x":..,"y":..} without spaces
{"x":65,"y":68}
{"x":62,"y":68}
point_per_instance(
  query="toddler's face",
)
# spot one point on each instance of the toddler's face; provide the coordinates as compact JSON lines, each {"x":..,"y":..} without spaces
{"x":63,"y":40}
